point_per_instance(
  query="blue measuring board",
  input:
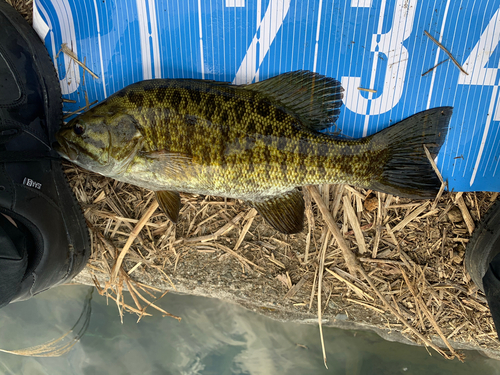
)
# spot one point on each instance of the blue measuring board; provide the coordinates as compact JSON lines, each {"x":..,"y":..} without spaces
{"x":390,"y":69}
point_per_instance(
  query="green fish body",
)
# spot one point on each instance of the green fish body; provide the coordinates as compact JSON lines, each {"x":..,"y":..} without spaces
{"x":255,"y":142}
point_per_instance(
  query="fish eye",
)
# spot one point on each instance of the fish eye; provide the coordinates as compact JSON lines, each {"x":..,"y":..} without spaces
{"x":78,"y":129}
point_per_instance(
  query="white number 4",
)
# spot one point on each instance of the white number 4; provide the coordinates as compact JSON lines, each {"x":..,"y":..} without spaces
{"x":479,"y":56}
{"x":480,"y":75}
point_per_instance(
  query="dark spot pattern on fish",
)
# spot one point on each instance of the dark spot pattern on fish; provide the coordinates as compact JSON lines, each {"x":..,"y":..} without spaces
{"x":195,"y":96}
{"x":175,"y":100}
{"x":210,"y":107}
{"x":160,"y":95}
{"x":136,"y":98}
{"x":280,"y":115}
{"x":347,"y":168}
{"x":227,"y":98}
{"x":239,"y":110}
{"x":266,"y":128}
{"x":250,"y":127}
{"x":263,"y":108}
{"x":121,"y":93}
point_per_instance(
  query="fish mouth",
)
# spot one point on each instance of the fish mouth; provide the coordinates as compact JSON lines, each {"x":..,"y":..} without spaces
{"x":66,"y":150}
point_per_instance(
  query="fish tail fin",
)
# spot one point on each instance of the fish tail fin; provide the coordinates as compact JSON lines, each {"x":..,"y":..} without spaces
{"x":407,"y":171}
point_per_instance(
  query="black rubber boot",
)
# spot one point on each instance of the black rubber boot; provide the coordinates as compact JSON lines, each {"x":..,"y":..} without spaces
{"x":33,"y":188}
{"x":484,"y":245}
{"x":482,"y":260}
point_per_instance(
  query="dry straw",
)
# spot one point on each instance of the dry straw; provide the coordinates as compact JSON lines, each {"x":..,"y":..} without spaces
{"x":416,"y":279}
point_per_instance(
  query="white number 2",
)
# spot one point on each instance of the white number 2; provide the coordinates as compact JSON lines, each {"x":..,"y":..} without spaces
{"x":267,"y":28}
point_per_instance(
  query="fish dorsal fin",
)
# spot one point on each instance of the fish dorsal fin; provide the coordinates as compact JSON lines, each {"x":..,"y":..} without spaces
{"x":170,"y":202}
{"x":284,"y":212}
{"x":314,"y":98}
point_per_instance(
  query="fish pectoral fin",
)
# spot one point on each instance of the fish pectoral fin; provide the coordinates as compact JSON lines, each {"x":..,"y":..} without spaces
{"x":166,"y":155}
{"x":172,"y":162}
{"x":170,"y":202}
{"x":284,"y":212}
{"x":315,"y":98}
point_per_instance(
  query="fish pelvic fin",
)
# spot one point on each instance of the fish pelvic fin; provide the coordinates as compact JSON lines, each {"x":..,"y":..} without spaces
{"x":284,"y":212}
{"x":314,"y":98}
{"x":170,"y":202}
{"x":407,"y":172}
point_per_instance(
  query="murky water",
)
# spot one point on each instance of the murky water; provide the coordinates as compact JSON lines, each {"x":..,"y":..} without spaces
{"x":212,"y":338}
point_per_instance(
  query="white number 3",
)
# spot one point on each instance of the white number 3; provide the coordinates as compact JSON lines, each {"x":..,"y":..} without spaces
{"x":391,"y":45}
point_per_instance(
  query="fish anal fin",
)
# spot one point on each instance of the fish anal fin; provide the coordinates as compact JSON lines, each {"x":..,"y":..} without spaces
{"x":170,"y":202}
{"x":314,"y":98}
{"x":284,"y":212}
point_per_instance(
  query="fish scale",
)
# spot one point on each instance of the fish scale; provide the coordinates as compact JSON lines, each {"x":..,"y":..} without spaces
{"x":256,"y":142}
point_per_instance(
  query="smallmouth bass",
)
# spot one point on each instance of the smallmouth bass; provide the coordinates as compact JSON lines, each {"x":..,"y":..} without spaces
{"x":256,"y":142}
